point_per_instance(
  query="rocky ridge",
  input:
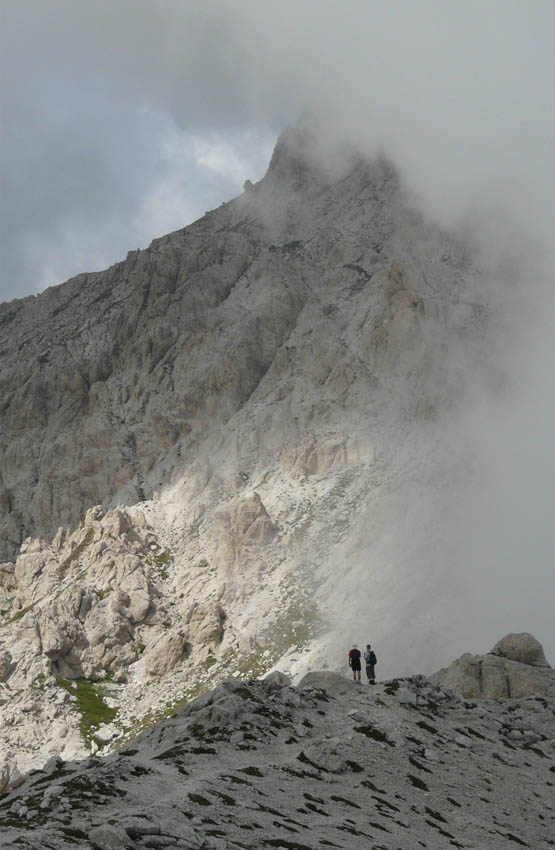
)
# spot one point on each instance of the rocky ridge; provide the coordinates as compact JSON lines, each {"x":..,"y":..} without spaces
{"x":330,"y":763}
{"x":195,"y":443}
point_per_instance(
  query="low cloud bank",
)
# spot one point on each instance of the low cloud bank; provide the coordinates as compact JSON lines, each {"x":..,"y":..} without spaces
{"x":460,"y":95}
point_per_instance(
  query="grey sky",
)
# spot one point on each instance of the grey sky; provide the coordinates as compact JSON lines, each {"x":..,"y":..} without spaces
{"x":124,"y":119}
{"x":112,"y":111}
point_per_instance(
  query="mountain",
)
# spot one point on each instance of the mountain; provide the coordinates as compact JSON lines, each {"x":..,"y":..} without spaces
{"x":114,"y":384}
{"x":331,"y":763}
{"x":228,"y":452}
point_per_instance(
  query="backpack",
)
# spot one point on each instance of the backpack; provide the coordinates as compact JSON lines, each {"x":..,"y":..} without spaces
{"x":370,"y":657}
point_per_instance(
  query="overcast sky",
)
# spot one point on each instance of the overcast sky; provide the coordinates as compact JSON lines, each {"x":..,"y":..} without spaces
{"x":124,"y":119}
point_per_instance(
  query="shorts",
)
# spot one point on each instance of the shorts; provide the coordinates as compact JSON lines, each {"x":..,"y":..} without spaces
{"x":355,"y":665}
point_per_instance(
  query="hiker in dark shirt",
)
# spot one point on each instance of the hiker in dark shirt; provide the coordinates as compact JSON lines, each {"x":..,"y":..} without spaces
{"x":371,"y":660}
{"x":354,"y":662}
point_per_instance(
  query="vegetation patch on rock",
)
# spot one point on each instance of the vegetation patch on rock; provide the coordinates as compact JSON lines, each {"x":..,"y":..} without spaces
{"x":91,"y":706}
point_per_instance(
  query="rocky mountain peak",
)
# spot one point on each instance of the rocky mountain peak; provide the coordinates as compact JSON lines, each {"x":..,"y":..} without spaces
{"x":293,"y":152}
{"x":113,"y":370}
{"x":305,"y":161}
{"x":205,"y":451}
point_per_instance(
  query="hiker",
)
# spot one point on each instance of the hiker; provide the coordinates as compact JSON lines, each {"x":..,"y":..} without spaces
{"x":354,"y":662}
{"x":371,"y":660}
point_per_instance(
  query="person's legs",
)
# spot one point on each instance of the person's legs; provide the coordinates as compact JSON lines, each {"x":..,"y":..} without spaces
{"x":372,"y":675}
{"x":359,"y":675}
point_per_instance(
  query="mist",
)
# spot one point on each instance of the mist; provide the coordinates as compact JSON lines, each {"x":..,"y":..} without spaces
{"x":505,"y":533}
{"x":459,"y":95}
{"x":126,"y":120}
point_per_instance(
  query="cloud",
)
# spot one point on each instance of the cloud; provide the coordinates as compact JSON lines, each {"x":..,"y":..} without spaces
{"x":460,"y":94}
{"x":89,"y":180}
{"x":502,"y":525}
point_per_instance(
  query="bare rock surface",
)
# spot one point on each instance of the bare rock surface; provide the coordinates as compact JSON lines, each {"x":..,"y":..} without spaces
{"x":523,"y":648}
{"x":516,"y":667}
{"x":332,"y":764}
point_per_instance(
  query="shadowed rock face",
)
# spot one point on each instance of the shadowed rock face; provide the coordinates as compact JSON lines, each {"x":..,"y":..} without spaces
{"x":331,"y":763}
{"x":516,"y":667}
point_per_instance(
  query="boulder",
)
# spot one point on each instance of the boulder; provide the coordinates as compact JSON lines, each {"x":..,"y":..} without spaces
{"x":205,"y":622}
{"x":502,"y":673}
{"x":521,"y":647}
{"x":405,"y":696}
{"x":243,"y":526}
{"x":166,"y":654}
{"x":492,"y":679}
{"x":137,"y":589}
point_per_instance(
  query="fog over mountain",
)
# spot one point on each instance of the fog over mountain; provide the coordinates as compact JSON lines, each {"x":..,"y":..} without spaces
{"x":127,"y":120}
{"x":115,"y":114}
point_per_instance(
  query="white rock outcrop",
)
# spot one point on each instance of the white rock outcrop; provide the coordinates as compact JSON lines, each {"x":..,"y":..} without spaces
{"x":515,"y":668}
{"x":521,"y":647}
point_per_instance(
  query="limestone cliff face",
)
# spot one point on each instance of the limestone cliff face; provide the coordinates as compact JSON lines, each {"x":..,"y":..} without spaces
{"x":201,"y":446}
{"x":290,"y":302}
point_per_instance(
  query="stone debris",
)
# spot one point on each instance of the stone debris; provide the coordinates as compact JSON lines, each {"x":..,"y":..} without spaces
{"x":334,"y":765}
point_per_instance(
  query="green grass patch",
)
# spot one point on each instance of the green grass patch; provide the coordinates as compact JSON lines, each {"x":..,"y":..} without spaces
{"x":38,"y":683}
{"x":90,"y":705}
{"x":21,"y":614}
{"x":158,"y":558}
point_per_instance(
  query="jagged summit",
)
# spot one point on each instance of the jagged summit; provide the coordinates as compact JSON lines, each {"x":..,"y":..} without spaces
{"x":304,"y":154}
{"x":292,"y":150}
{"x":87,"y":357}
